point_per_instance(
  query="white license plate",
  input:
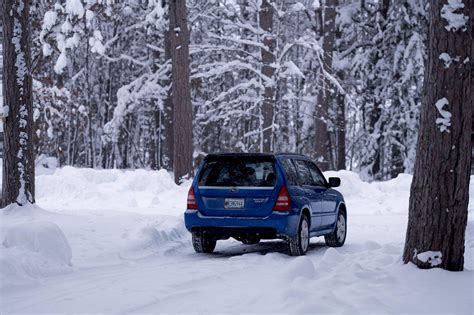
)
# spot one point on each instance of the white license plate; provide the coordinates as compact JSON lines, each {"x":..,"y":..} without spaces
{"x":233,"y":203}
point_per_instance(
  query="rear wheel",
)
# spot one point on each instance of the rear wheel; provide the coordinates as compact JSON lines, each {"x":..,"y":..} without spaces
{"x":203,"y":243}
{"x":298,"y":245}
{"x":338,"y":236}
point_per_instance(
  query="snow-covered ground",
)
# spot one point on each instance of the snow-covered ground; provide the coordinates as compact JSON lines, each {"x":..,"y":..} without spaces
{"x":108,"y":241}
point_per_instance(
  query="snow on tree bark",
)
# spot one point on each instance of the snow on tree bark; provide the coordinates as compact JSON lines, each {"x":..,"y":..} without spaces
{"x":321,"y":134}
{"x":181,"y":91}
{"x":440,"y":188}
{"x":18,"y":162}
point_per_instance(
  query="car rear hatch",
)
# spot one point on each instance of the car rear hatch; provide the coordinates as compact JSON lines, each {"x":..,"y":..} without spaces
{"x":237,"y":185}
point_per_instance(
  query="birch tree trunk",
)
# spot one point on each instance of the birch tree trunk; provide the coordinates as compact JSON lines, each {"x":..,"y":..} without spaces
{"x":18,"y":162}
{"x":181,"y":92}
{"x":440,"y":189}
{"x":321,"y":135}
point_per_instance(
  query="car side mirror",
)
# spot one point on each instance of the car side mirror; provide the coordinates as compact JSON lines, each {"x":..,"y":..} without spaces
{"x":334,"y":182}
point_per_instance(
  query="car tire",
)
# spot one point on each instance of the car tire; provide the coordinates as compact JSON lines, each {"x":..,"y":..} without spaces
{"x":203,"y":243}
{"x":338,"y":236}
{"x":298,"y":245}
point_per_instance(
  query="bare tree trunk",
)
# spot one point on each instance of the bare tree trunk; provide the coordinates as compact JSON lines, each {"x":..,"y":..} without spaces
{"x":268,"y":58}
{"x":341,"y":129}
{"x":167,"y":156}
{"x":18,"y":163}
{"x":396,"y":161}
{"x":181,"y":90}
{"x":154,"y":140}
{"x":324,"y":98}
{"x":440,"y":189}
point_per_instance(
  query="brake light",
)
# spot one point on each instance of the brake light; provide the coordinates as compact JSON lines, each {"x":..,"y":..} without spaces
{"x":191,"y":200}
{"x":283,"y":201}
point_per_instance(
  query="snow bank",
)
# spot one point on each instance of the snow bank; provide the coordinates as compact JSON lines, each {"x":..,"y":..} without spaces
{"x":299,"y":267}
{"x":32,"y":249}
{"x":389,"y":197}
{"x":154,"y":192}
{"x":45,"y":164}
{"x":77,"y":188}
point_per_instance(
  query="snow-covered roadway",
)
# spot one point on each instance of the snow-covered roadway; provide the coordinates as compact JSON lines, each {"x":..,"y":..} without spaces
{"x":131,"y":254}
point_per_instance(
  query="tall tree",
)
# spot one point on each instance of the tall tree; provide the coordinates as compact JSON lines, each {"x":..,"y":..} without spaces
{"x":440,"y":189}
{"x":321,"y":134}
{"x":181,"y":90}
{"x":18,"y":162}
{"x":168,"y":143}
{"x":268,"y":70}
{"x":340,"y":128}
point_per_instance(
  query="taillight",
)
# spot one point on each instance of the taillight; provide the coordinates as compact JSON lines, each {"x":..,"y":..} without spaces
{"x":283,"y":201}
{"x":191,"y":200}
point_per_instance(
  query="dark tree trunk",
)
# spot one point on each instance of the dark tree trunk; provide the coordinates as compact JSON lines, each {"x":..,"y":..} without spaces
{"x":321,"y":135}
{"x":18,"y":163}
{"x":396,"y":161}
{"x":167,"y":156}
{"x":268,"y":58}
{"x":181,"y":92}
{"x":440,"y":188}
{"x":155,"y":120}
{"x":376,"y":125}
{"x":154,"y":125}
{"x":341,"y":129}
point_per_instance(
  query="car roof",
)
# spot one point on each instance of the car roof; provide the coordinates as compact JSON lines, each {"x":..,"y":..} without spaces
{"x":238,"y":154}
{"x":291,"y":154}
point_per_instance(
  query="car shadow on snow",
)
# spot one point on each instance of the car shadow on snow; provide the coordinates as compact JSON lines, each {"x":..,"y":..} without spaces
{"x":264,"y":247}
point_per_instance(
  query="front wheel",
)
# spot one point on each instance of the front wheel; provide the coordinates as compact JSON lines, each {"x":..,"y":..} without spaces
{"x":298,"y":245}
{"x":203,"y":243}
{"x":338,"y":236}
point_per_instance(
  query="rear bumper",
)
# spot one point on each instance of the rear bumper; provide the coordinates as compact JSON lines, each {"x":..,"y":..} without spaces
{"x":280,"y":224}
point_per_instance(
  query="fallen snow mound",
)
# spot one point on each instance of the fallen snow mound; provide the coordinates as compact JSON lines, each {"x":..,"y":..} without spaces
{"x":388,"y":197}
{"x":77,"y":188}
{"x":33,"y":250}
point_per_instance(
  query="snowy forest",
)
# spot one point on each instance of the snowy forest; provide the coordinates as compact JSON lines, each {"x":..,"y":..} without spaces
{"x":340,"y":82}
{"x":237,"y":156}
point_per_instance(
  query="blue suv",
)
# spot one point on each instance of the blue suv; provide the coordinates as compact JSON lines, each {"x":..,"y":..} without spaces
{"x":264,"y":196}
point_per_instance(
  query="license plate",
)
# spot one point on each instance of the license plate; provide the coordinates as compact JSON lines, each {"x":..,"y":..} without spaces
{"x":233,"y":203}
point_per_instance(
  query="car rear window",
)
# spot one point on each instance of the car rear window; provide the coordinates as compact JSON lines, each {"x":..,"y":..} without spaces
{"x":238,"y":171}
